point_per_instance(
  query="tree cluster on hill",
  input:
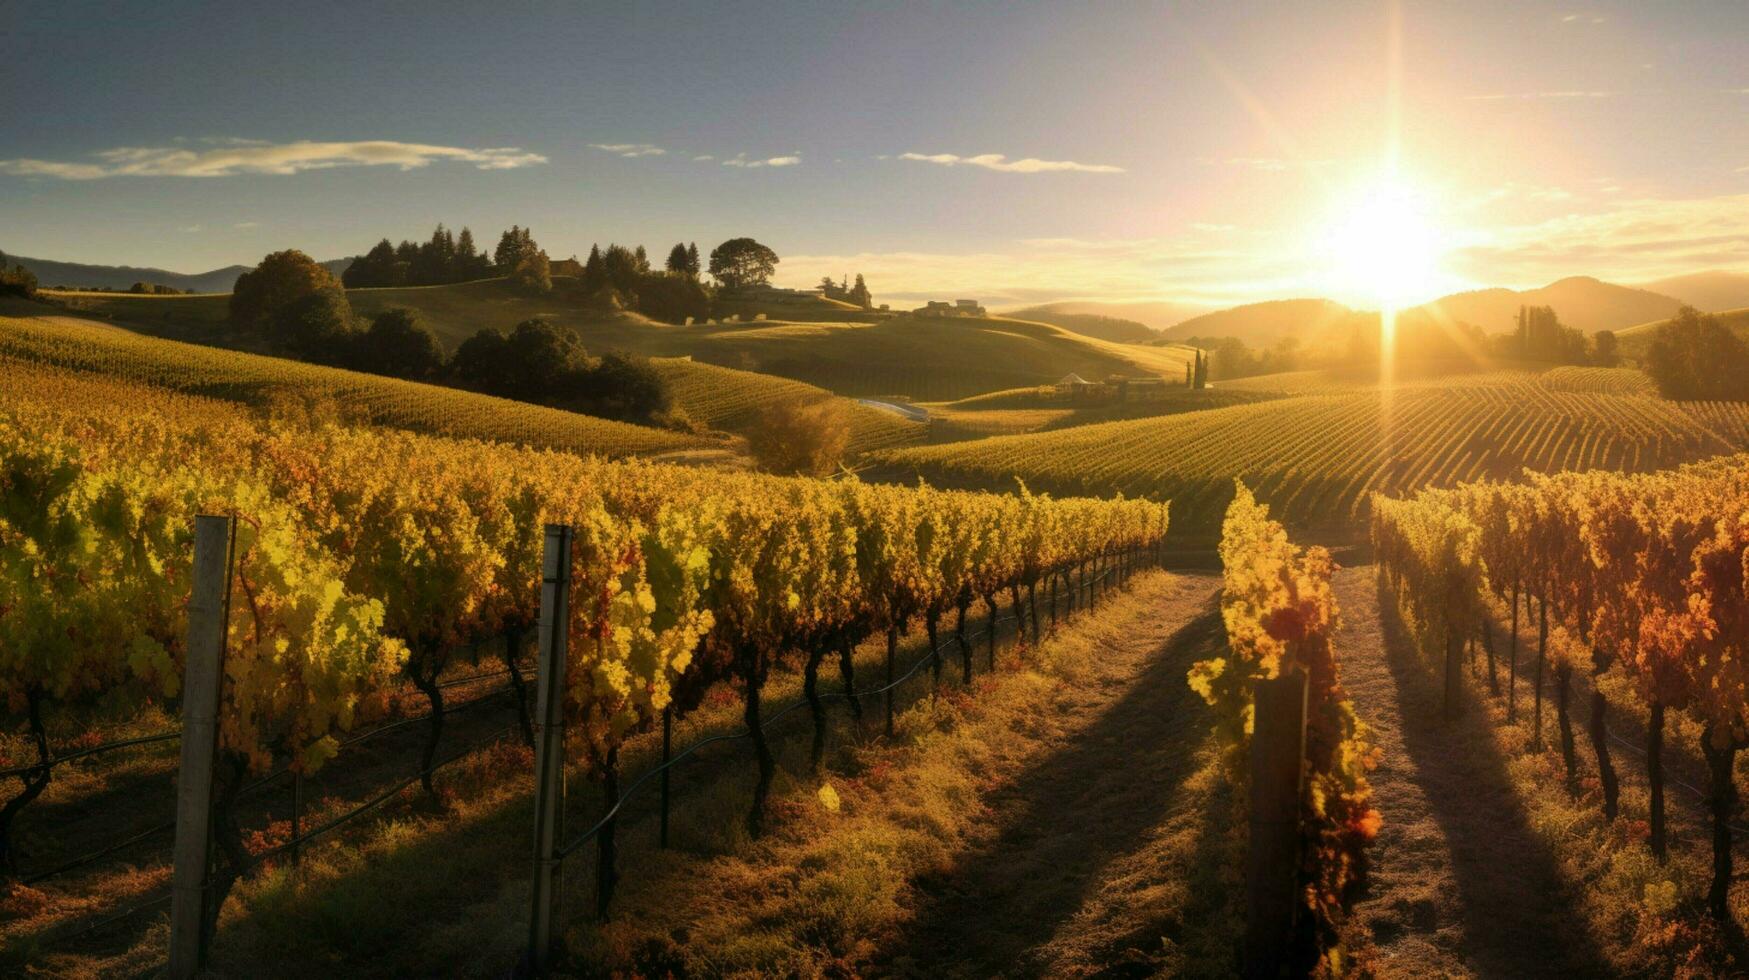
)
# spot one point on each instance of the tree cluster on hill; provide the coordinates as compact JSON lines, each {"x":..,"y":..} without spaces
{"x":1230,"y":357}
{"x":1694,"y":357}
{"x":443,"y":258}
{"x":16,"y":280}
{"x":1540,"y":336}
{"x":620,"y":278}
{"x":298,"y":307}
{"x":844,"y":292}
{"x":539,"y":362}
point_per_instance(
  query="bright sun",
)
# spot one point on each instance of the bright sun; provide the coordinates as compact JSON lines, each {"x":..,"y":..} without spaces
{"x":1383,"y":249}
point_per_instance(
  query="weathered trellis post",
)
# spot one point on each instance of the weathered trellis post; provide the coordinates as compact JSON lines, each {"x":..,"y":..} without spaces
{"x":549,"y":733}
{"x":667,"y":756}
{"x":202,"y":680}
{"x":1278,"y":751}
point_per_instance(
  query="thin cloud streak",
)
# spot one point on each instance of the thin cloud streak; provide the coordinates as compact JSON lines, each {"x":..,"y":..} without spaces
{"x":740,"y":160}
{"x":1000,"y":163}
{"x":259,"y":158}
{"x":631,"y":150}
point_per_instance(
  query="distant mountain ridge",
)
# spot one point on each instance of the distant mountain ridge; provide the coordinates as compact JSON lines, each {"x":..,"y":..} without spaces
{"x":1580,"y":301}
{"x":1713,"y":291}
{"x":50,"y":272}
{"x":1262,"y":324}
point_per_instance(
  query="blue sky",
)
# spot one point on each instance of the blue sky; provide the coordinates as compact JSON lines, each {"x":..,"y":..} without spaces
{"x":1190,"y":151}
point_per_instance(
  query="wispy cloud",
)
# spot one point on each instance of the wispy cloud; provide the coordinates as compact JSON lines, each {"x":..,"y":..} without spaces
{"x":1000,"y":162}
{"x":740,"y":160}
{"x":1531,"y":96}
{"x":247,"y":224}
{"x":702,"y":157}
{"x":1625,"y":240}
{"x":254,"y":157}
{"x":631,"y":150}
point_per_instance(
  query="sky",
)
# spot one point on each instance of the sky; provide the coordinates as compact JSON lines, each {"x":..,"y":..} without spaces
{"x":1012,"y":152}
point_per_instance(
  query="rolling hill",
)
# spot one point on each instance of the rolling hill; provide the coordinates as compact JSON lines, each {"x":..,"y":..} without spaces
{"x":1580,"y":301}
{"x":922,"y":358}
{"x":272,"y":383}
{"x":1153,"y":314}
{"x":1099,"y":325}
{"x":1709,"y":292}
{"x":1316,"y":458}
{"x":79,"y":274}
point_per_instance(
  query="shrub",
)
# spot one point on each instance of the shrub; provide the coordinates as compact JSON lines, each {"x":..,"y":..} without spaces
{"x":800,"y":435}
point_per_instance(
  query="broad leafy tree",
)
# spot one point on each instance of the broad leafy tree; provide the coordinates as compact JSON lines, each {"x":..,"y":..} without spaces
{"x":741,"y":262}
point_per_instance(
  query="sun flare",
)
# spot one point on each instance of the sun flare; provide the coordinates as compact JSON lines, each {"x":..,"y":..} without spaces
{"x":1383,"y":248}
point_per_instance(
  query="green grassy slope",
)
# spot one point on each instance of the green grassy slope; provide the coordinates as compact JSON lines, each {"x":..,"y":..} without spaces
{"x":236,"y":376}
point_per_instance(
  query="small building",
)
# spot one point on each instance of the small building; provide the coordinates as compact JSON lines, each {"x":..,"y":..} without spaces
{"x":1147,"y":389}
{"x":1076,"y":387}
{"x":566,"y":267}
{"x":959,"y":307}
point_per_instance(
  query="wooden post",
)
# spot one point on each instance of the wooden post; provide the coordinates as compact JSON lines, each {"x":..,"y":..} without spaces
{"x":297,"y":815}
{"x":667,"y":754}
{"x":202,"y":679}
{"x":549,"y":741}
{"x":1278,"y":749}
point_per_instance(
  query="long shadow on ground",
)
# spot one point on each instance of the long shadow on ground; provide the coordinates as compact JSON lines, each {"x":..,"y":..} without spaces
{"x":1516,"y":920}
{"x":1062,"y":821}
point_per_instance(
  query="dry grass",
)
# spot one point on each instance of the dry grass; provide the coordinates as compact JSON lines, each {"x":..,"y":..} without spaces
{"x":856,"y":858}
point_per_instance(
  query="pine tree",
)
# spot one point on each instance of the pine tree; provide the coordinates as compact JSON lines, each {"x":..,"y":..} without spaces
{"x":642,"y":258}
{"x":692,"y":265}
{"x":508,"y":250}
{"x":859,"y":293}
{"x":676,"y":263}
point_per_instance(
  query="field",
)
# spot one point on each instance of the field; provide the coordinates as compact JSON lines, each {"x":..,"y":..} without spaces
{"x":1021,"y":410}
{"x":288,"y":386}
{"x":913,"y":357}
{"x":1316,"y":457}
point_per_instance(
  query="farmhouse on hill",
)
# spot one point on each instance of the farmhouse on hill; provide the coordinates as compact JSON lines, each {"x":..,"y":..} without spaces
{"x":1116,"y":388}
{"x":959,"y":307}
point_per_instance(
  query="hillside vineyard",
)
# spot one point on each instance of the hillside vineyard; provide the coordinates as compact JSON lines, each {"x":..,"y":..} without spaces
{"x":363,"y":556}
{"x":1317,"y":459}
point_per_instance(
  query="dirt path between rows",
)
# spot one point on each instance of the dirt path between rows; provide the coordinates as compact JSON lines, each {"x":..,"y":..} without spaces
{"x":1062,"y":881}
{"x":1461,"y":884}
